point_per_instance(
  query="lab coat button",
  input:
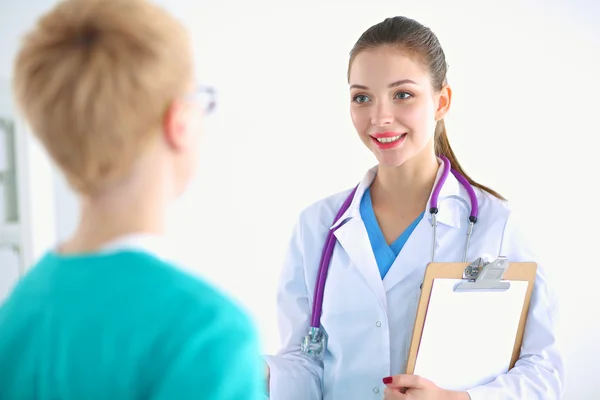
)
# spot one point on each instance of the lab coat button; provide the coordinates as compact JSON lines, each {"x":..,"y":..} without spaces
{"x":375,"y":390}
{"x":378,"y":323}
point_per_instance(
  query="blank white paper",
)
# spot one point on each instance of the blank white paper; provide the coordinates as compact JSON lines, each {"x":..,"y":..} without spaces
{"x":468,"y":337}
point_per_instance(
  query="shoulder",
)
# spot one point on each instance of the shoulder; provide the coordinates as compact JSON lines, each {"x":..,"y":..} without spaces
{"x":493,"y":211}
{"x":160,"y":288}
{"x":500,"y":215}
{"x":159,"y":292}
{"x":206,"y":337}
{"x":211,"y":329}
{"x":198,"y":296}
{"x":322,"y":212}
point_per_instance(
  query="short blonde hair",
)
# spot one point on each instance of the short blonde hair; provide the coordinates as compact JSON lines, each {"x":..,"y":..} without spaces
{"x":94,"y":79}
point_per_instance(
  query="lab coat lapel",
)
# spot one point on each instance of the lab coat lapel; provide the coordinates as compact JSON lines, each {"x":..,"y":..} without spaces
{"x":354,"y":239}
{"x":416,"y":254}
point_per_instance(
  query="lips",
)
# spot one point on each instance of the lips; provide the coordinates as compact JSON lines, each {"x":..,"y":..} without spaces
{"x":388,"y":140}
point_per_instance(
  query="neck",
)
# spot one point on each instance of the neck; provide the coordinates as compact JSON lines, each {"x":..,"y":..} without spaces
{"x":408,"y":185}
{"x":136,"y":209}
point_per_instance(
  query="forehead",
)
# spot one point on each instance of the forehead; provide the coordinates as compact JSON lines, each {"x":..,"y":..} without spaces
{"x":382,"y":65}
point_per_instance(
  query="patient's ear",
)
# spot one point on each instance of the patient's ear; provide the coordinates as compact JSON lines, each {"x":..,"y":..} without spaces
{"x":175,"y":125}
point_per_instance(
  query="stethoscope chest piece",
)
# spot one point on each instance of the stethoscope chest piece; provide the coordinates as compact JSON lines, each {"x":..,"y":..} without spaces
{"x":314,"y":344}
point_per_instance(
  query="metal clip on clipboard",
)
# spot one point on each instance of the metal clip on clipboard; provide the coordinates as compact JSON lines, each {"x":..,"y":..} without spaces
{"x":481,"y":276}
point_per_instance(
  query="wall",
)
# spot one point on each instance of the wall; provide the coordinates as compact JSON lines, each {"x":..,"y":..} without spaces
{"x":9,"y":258}
{"x":523,"y":121}
{"x":27,"y":218}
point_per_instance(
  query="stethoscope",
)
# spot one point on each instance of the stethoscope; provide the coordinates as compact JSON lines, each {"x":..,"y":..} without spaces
{"x":314,"y":344}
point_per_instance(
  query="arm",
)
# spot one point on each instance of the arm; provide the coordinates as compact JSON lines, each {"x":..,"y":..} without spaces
{"x":539,"y":372}
{"x":292,"y":375}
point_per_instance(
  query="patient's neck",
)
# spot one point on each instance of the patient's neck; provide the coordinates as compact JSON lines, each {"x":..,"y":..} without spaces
{"x":104,"y":218}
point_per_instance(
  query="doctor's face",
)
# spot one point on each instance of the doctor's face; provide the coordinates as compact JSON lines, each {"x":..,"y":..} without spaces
{"x":393,"y":104}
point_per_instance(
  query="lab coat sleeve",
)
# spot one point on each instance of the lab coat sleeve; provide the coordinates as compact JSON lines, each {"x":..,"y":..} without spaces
{"x":539,"y":372}
{"x":294,"y":376}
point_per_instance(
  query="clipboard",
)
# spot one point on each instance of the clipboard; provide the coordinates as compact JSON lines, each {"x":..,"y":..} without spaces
{"x":495,"y":276}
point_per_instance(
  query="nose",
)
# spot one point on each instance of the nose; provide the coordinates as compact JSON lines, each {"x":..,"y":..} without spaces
{"x":382,"y":114}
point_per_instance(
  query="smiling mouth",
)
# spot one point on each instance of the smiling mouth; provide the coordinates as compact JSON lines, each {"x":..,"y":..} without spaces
{"x":390,"y":139}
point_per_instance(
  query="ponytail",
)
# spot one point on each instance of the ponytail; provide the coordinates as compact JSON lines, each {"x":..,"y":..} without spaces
{"x":442,"y":148}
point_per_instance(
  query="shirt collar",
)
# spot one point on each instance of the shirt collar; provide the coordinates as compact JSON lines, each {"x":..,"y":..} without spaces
{"x":148,"y":243}
{"x":450,"y":213}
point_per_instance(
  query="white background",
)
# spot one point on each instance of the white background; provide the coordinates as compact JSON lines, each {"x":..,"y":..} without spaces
{"x":524,"y":121}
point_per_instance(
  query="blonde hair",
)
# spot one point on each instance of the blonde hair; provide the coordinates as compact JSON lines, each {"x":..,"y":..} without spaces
{"x":94,"y":79}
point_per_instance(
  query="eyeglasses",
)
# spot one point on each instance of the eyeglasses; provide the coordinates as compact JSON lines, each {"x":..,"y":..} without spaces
{"x":206,"y":96}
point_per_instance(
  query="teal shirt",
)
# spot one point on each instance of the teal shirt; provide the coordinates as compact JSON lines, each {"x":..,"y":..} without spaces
{"x":124,"y":325}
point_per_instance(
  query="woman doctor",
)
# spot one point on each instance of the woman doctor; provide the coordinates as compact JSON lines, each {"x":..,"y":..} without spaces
{"x":398,"y":99}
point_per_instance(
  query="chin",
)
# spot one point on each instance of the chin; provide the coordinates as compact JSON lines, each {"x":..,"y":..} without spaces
{"x":391,"y":159}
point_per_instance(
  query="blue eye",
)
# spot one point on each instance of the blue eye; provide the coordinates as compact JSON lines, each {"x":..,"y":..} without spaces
{"x":360,"y":98}
{"x":402,"y":95}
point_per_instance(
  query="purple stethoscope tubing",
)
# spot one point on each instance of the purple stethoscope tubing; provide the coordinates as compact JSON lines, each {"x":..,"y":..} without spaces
{"x":433,"y":210}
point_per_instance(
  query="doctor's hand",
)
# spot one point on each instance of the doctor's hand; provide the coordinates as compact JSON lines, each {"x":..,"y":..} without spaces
{"x":413,"y":387}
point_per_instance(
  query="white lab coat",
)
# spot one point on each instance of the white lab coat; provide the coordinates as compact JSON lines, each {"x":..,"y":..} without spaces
{"x":369,"y":322}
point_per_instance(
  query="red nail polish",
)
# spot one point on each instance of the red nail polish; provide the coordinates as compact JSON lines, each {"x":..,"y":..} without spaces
{"x":387,"y":380}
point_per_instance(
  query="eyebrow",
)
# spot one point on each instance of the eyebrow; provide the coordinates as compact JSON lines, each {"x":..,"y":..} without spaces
{"x":391,"y":85}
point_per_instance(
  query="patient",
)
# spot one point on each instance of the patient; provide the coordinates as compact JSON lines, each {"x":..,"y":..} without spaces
{"x":107,"y":87}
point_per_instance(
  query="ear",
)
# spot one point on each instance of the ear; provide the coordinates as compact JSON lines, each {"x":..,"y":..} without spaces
{"x":443,"y":104}
{"x":174,"y":125}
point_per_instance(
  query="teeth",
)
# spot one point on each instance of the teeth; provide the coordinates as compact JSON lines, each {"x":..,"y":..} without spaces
{"x":389,"y":139}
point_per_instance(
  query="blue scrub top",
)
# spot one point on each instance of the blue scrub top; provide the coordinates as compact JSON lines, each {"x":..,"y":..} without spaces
{"x":384,"y":254}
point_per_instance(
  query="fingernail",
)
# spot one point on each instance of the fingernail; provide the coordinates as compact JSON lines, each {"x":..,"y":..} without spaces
{"x":387,"y":380}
